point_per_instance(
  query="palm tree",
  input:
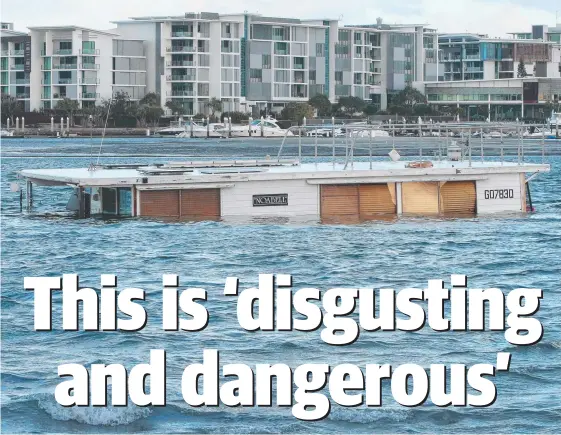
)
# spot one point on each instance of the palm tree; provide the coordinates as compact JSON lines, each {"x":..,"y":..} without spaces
{"x":214,"y":105}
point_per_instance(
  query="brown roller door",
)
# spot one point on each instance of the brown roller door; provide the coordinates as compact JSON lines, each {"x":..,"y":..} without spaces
{"x":376,"y":200}
{"x":339,"y":203}
{"x":159,"y":203}
{"x":200,"y":203}
{"x":420,"y":198}
{"x":457,"y":197}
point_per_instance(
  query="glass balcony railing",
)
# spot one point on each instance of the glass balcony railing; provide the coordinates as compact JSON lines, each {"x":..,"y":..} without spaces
{"x":180,"y":49}
{"x":22,"y":95}
{"x":65,"y":66}
{"x":4,"y":52}
{"x":16,"y":52}
{"x":184,"y":78}
{"x":45,"y":96}
{"x":181,"y":63}
{"x":18,"y":66}
{"x":65,"y":82}
{"x":181,"y":34}
{"x":93,"y":51}
{"x":181,"y":93}
{"x":89,"y":96}
{"x":22,"y":81}
{"x":89,"y":66}
{"x":63,"y":51}
{"x":89,"y":81}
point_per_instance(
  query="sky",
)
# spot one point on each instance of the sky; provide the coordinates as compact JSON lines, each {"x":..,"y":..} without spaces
{"x":492,"y":17}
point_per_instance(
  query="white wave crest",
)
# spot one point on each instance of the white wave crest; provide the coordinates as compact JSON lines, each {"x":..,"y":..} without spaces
{"x":98,"y":416}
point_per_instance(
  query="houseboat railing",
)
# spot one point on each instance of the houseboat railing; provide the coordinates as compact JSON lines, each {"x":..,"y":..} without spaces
{"x":476,"y":140}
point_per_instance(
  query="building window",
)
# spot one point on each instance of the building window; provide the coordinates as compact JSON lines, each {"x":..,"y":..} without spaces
{"x":339,"y":77}
{"x":312,"y":76}
{"x":266,"y":62}
{"x":319,"y":50}
{"x":255,"y":75}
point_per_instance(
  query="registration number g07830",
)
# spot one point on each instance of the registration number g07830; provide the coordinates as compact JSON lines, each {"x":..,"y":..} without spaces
{"x":499,"y":193}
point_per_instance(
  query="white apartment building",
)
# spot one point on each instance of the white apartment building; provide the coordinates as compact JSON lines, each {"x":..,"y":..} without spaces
{"x":478,"y":57}
{"x":15,"y":64}
{"x":55,"y":62}
{"x":249,"y":61}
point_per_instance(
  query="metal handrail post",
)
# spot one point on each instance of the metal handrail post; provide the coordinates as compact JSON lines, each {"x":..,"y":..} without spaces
{"x":481,"y":143}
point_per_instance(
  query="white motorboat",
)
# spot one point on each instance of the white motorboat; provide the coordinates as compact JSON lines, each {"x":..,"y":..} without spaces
{"x":370,"y":133}
{"x":268,"y":126}
{"x":536,"y":133}
{"x":192,"y":129}
{"x":325,"y":131}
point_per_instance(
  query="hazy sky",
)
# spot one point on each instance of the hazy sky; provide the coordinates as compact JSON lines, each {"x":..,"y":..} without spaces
{"x":494,"y":17}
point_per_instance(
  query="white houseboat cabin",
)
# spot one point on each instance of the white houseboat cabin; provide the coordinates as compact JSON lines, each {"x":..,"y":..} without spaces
{"x":329,"y":192}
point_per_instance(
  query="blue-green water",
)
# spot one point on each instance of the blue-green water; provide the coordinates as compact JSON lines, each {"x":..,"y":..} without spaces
{"x":506,"y":252}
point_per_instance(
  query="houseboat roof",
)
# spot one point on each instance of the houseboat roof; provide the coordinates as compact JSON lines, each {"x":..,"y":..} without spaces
{"x":223,"y":172}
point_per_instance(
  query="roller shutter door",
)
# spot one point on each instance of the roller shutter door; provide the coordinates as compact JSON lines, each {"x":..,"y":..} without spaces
{"x":420,"y":198}
{"x":339,"y":203}
{"x":457,"y":197}
{"x":159,"y":203}
{"x":200,"y":203}
{"x":376,"y":200}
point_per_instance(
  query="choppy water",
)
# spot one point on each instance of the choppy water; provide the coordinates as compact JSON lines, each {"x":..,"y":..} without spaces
{"x":505,"y":252}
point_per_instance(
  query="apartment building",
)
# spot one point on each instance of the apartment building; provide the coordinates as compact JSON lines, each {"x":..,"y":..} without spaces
{"x":254,"y":62}
{"x":83,"y":64}
{"x":15,"y":64}
{"x":541,"y":31}
{"x":477,"y":57}
{"x":383,"y":60}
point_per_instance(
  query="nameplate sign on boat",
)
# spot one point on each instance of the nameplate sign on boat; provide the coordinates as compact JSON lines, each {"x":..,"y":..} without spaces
{"x":270,"y":200}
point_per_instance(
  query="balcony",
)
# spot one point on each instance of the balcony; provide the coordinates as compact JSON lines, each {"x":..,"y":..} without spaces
{"x":181,"y":93}
{"x":185,"y":78}
{"x":89,"y":51}
{"x":181,"y":34}
{"x":89,"y":81}
{"x":18,"y":66}
{"x":22,"y":81}
{"x":63,"y":52}
{"x":89,"y":96}
{"x":450,"y":58}
{"x":45,"y":82}
{"x":181,"y":49}
{"x":65,"y":66}
{"x":16,"y":52}
{"x":180,"y":63}
{"x":472,"y":57}
{"x":24,"y":95}
{"x":5,"y":52}
{"x":94,"y":66}
{"x":65,"y":82}
{"x":45,"y":96}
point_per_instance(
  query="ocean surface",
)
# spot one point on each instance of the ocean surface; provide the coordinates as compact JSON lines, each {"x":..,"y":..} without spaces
{"x":507,"y":252}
